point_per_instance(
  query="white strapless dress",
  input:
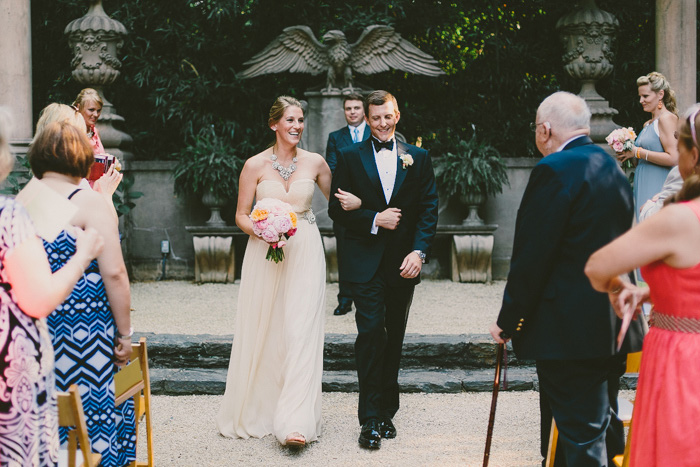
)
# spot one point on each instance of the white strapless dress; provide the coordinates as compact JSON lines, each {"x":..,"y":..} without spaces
{"x":274,"y":376}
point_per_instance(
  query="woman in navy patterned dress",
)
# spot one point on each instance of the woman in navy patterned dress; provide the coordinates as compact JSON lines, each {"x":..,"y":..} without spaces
{"x":91,"y":330}
{"x":29,"y":292}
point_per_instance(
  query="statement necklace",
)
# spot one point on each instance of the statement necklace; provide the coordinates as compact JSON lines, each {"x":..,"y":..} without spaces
{"x":285,"y":172}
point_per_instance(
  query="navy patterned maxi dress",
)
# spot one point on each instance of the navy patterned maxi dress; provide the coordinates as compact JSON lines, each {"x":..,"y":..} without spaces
{"x":82,"y":329}
{"x":28,"y":413}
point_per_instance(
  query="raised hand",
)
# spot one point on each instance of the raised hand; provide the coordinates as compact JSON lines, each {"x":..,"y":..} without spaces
{"x":108,"y":183}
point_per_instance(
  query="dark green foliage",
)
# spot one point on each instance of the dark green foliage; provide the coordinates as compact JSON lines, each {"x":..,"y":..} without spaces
{"x":209,"y":164}
{"x":16,"y":180}
{"x":470,"y":167}
{"x":181,"y":57}
{"x":124,"y":195}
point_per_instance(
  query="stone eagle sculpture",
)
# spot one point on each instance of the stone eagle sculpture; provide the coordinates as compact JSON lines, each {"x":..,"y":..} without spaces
{"x":378,"y":49}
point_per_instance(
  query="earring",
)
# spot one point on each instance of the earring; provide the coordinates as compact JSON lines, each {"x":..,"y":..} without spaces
{"x":660,"y":106}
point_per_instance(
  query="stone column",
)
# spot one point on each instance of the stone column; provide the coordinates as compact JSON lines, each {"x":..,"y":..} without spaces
{"x":16,"y":69}
{"x":676,"y":46}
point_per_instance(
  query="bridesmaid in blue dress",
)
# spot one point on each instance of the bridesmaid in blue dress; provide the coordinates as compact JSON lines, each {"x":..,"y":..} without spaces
{"x":654,"y":150}
{"x":91,"y":330}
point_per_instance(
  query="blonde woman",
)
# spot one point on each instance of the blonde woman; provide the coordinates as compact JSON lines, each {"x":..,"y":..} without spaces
{"x":654,"y":150}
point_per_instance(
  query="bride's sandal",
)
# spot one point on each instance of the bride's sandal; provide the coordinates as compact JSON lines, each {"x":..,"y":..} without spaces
{"x":295,"y":439}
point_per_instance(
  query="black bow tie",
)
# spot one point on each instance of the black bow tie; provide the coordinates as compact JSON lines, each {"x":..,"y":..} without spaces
{"x":379,"y":145}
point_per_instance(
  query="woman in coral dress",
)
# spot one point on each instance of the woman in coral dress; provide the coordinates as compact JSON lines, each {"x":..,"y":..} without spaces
{"x":665,"y":428}
{"x":274,"y":377}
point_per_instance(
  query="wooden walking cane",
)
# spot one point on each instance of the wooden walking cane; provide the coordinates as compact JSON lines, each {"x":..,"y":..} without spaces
{"x":492,"y":416}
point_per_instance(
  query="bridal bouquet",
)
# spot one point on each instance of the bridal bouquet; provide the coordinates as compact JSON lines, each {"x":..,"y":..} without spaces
{"x":273,"y":221}
{"x":621,"y":140}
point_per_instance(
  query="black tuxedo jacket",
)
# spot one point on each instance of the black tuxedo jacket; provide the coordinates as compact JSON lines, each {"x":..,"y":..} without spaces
{"x":414,"y":193}
{"x":338,"y":140}
{"x":576,"y":201}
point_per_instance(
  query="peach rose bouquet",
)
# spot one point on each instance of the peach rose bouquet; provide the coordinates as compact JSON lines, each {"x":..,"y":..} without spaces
{"x":621,"y":140}
{"x":274,"y":221}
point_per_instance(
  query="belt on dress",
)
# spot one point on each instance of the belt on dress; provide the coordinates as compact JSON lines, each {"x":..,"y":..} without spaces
{"x":308,"y":215}
{"x":674,"y":323}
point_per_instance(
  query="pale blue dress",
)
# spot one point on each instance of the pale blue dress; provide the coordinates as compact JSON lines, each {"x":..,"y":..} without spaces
{"x":649,"y":178}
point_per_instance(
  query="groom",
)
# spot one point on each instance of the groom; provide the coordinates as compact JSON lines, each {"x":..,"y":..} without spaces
{"x":386,"y":243}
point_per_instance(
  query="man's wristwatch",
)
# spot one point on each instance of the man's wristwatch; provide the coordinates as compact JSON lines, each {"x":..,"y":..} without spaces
{"x":420,"y":254}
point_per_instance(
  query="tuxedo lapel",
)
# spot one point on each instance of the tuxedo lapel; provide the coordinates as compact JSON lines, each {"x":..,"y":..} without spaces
{"x":370,"y":166}
{"x":346,"y":138}
{"x":367,"y":133}
{"x":400,"y":171}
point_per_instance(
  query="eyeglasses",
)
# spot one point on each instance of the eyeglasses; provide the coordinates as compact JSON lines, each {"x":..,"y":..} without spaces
{"x":533,"y":125}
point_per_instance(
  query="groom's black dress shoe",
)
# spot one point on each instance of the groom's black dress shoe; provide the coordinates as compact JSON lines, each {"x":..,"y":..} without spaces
{"x":343,"y":308}
{"x":387,"y":429}
{"x":370,"y":436}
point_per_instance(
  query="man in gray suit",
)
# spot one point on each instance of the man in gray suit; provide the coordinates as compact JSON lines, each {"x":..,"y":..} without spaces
{"x":356,"y":131}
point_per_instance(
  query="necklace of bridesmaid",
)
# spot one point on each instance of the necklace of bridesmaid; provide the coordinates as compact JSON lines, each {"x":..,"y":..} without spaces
{"x":285,"y":172}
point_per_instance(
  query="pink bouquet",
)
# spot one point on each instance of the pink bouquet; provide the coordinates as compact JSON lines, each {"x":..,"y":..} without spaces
{"x":621,"y":140}
{"x":274,"y":220}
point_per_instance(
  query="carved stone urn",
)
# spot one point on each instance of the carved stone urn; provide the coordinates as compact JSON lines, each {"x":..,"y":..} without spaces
{"x":214,"y":203}
{"x":473,"y":200}
{"x":588,"y":36}
{"x":95,"y":40}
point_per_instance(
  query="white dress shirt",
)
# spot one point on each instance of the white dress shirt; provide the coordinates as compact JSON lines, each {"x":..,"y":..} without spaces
{"x":360,"y":131}
{"x":386,"y":166}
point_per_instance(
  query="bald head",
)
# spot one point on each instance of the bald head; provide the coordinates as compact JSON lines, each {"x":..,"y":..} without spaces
{"x":566,"y":115}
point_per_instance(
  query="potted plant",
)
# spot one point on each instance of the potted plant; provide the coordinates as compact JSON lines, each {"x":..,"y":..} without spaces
{"x":209,"y":167}
{"x":473,"y":171}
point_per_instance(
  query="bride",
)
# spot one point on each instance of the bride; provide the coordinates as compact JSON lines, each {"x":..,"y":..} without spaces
{"x":274,"y":377}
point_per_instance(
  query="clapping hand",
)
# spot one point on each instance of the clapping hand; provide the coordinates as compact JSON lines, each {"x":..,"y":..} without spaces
{"x":108,"y":183}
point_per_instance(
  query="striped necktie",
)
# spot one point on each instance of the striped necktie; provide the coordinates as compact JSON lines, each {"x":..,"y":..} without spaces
{"x":356,"y":135}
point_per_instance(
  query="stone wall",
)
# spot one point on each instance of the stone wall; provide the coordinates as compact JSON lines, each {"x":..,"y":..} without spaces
{"x":162,"y":215}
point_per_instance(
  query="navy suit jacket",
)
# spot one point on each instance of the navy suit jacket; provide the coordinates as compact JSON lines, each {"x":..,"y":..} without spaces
{"x":414,"y":193}
{"x":338,"y":140}
{"x":576,"y":201}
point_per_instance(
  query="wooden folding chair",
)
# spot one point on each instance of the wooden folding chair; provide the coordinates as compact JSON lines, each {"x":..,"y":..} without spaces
{"x":134,"y":381}
{"x":70,"y":414}
{"x":624,"y":408}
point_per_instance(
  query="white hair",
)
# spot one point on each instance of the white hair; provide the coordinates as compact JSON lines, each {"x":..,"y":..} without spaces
{"x":565,"y":112}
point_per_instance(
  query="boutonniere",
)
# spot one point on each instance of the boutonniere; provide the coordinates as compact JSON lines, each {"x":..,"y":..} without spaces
{"x":406,"y":160}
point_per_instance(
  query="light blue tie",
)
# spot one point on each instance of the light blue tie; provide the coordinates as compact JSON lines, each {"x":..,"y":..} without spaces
{"x":356,"y":138}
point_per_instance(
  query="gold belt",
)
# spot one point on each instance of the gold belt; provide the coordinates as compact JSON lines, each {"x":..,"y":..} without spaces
{"x":674,"y":323}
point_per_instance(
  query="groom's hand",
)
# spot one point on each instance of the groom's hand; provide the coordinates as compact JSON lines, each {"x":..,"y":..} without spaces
{"x":411,"y":266}
{"x":389,"y":218}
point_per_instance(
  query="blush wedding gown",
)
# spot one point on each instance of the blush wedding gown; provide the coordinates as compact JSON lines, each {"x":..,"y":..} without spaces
{"x":274,"y":376}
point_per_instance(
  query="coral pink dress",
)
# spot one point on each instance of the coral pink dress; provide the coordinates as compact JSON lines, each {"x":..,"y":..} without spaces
{"x":666,"y":421}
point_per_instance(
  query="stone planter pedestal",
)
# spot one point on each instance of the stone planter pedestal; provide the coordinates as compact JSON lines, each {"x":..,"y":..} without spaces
{"x":472,"y":247}
{"x":214,"y":253}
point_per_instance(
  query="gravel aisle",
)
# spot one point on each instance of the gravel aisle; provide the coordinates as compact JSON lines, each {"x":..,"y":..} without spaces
{"x":182,"y":307}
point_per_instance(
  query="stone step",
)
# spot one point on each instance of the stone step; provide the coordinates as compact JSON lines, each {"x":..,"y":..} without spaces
{"x":447,"y":351}
{"x":178,"y":382}
{"x":199,"y":381}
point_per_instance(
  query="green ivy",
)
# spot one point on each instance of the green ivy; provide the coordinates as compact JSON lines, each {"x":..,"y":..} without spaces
{"x":181,"y":57}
